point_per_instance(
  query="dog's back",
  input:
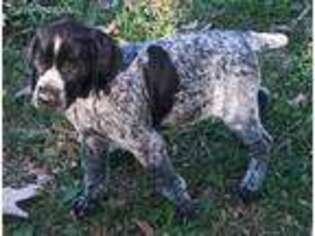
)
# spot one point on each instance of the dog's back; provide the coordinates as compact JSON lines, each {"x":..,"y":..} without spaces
{"x":217,"y":71}
{"x":211,"y":66}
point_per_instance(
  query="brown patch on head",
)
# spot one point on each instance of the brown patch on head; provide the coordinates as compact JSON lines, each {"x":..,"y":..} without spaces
{"x":162,"y":82}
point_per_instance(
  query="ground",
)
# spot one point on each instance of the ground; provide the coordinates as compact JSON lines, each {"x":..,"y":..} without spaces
{"x":207,"y":155}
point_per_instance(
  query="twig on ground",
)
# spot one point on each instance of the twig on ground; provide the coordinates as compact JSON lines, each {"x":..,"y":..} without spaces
{"x":301,"y":16}
{"x":24,"y":92}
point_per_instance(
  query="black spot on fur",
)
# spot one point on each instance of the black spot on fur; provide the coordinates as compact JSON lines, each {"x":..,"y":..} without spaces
{"x":162,"y":82}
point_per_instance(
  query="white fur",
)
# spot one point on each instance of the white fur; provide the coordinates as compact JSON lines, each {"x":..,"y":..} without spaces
{"x":57,"y":44}
{"x":259,"y":41}
{"x":51,"y":78}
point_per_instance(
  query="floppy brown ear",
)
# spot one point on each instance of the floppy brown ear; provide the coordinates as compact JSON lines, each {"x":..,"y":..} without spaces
{"x":162,"y":82}
{"x":31,"y":48}
{"x":108,"y":57}
{"x":30,"y":52}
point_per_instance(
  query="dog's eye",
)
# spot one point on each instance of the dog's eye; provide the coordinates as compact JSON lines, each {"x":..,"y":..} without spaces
{"x":42,"y":64}
{"x":67,"y":65}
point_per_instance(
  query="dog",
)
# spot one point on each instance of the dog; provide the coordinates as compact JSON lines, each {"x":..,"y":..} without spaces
{"x":126,"y":95}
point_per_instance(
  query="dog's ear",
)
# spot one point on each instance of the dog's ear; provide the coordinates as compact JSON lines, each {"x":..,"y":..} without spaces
{"x":162,"y":82}
{"x":29,"y":56}
{"x":108,"y":58}
{"x":31,"y":49}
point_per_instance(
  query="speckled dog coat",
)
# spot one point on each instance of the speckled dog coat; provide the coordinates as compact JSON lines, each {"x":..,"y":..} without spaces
{"x":174,"y":82}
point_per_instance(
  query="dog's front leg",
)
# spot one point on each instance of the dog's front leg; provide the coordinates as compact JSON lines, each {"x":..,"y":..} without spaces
{"x":150,"y":149}
{"x":94,"y":181}
{"x":171,"y":186}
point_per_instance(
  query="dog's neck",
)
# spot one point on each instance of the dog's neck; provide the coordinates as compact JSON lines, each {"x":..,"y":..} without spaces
{"x":126,"y":56}
{"x":129,"y":51}
{"x":87,"y":108}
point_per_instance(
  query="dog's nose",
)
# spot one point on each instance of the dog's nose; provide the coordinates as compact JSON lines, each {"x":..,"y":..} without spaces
{"x":41,"y":89}
{"x":48,"y":90}
{"x":47,"y":94}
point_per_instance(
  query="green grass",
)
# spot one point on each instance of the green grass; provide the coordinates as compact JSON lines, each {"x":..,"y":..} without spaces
{"x":207,"y":155}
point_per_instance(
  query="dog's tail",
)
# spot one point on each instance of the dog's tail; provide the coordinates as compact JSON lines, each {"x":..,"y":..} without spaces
{"x":264,"y":41}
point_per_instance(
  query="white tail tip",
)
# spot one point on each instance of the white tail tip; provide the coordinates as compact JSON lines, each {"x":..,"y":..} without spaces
{"x":261,"y":41}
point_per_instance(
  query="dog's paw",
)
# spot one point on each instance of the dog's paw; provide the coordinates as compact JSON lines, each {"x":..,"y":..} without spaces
{"x":81,"y":207}
{"x":248,"y":196}
{"x":188,"y":210}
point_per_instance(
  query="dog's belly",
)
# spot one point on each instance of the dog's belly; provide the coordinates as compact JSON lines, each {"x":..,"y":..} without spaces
{"x":218,"y":95}
{"x":192,"y":105}
{"x":212,"y":90}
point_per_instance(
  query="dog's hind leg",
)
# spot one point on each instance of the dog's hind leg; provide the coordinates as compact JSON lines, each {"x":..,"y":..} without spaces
{"x":259,"y":152}
{"x":150,"y":150}
{"x":250,"y":130}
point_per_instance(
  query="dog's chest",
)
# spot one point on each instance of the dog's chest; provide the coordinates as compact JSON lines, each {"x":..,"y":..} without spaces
{"x":113,"y":117}
{"x":84,"y":114}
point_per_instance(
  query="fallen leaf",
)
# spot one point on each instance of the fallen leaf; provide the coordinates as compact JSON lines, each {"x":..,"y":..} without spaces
{"x":299,"y":100}
{"x":112,"y":29}
{"x":190,"y":26}
{"x":12,"y":196}
{"x":41,"y":174}
{"x":24,"y":92}
{"x":43,"y":179}
{"x":38,"y":170}
{"x":145,"y":228}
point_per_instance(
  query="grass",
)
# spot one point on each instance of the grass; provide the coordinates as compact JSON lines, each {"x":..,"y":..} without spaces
{"x":207,"y":155}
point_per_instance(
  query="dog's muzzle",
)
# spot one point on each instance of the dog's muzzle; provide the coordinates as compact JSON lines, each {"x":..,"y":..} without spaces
{"x":49,"y":91}
{"x":48,"y":96}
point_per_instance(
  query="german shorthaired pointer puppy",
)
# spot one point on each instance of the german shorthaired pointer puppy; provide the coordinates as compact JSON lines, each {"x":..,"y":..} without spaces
{"x":125,"y":95}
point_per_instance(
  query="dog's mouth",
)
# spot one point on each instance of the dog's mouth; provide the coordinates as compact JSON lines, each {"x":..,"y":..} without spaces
{"x":48,"y":102}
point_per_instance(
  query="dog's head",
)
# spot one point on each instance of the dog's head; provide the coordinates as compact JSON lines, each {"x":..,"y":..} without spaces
{"x":69,"y":60}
